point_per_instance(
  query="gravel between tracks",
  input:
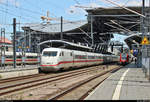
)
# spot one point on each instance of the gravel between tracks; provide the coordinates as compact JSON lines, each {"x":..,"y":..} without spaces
{"x":43,"y":92}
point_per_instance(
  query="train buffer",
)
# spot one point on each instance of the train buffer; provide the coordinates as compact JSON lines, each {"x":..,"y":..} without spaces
{"x":128,"y":83}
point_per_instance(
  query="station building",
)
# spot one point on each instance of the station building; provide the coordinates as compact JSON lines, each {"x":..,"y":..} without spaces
{"x":7,"y":43}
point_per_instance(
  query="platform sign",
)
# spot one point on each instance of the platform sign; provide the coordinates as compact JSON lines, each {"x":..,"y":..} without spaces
{"x":3,"y":59}
{"x":19,"y":50}
{"x":135,"y":52}
{"x":145,"y":41}
{"x":28,"y":50}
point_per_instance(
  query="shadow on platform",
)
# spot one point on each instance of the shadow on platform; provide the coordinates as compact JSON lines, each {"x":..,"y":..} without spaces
{"x":131,"y":65}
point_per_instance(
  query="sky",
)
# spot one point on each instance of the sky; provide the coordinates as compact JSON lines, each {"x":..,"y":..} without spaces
{"x":30,"y":11}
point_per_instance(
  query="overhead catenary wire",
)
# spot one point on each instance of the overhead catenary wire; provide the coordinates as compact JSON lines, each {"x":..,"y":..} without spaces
{"x":110,"y":1}
{"x":120,"y":26}
{"x":14,"y":15}
{"x":6,"y":8}
{"x":126,"y":2}
{"x":77,"y":2}
{"x":33,"y":5}
{"x":39,"y":8}
{"x":114,"y":27}
{"x":21,"y":8}
{"x":54,"y":5}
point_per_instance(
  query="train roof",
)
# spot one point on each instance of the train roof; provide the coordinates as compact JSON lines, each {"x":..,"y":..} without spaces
{"x":66,"y":45}
{"x":20,"y":53}
{"x":52,"y":49}
{"x":59,"y":49}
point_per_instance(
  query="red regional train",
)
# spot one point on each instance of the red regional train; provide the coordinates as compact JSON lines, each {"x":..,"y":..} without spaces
{"x":125,"y":58}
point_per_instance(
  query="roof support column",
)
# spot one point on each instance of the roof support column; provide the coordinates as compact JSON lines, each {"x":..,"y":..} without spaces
{"x":61,"y":36}
{"x":92,"y":30}
{"x":143,"y":7}
{"x":14,"y":42}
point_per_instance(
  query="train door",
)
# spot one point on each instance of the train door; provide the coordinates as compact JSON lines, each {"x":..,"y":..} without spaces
{"x":61,"y":59}
{"x":71,"y":59}
{"x":72,"y":55}
{"x":104,"y":59}
{"x":120,"y":58}
{"x":127,"y":59}
{"x":68,"y":59}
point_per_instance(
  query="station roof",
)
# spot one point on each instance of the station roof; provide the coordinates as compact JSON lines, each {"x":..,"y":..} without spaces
{"x":120,"y":20}
{"x":56,"y":27}
{"x":106,"y":21}
{"x":103,"y":21}
{"x":113,"y":10}
{"x":116,"y":19}
{"x":133,"y":39}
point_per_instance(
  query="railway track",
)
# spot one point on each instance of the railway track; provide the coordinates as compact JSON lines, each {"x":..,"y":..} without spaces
{"x":63,"y":95}
{"x":7,"y":88}
{"x":20,"y":78}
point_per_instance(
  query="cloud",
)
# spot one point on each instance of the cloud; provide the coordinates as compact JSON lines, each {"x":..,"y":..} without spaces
{"x":73,"y":10}
{"x":122,"y":3}
{"x":132,"y":3}
{"x":93,"y":5}
{"x":12,"y":2}
{"x":137,"y":3}
{"x":2,"y":1}
{"x":80,"y":9}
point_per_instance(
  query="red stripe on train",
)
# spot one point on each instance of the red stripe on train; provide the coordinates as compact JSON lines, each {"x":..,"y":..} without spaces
{"x":64,"y":62}
{"x":19,"y":60}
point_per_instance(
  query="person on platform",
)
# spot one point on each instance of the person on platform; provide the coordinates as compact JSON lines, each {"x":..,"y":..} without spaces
{"x":135,"y":61}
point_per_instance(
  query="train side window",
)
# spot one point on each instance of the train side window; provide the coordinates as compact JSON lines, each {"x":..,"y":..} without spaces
{"x":62,"y":53}
{"x":71,"y":54}
{"x":9,"y":56}
{"x":19,"y":56}
{"x":6,"y":48}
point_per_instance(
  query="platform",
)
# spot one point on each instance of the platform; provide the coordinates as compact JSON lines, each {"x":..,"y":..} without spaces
{"x":128,"y":83}
{"x":9,"y":71}
{"x":18,"y":68}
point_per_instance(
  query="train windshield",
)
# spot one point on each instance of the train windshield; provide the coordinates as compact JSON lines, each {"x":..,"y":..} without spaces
{"x":124,"y":56}
{"x":50,"y":53}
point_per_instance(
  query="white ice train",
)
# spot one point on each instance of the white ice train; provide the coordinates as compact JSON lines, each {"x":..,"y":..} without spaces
{"x":54,"y":59}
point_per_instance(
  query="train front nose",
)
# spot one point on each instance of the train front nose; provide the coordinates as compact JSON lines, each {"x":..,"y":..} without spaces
{"x":49,"y":62}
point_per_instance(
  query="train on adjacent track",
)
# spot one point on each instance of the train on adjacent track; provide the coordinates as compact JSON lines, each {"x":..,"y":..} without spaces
{"x":28,"y":58}
{"x":54,"y":59}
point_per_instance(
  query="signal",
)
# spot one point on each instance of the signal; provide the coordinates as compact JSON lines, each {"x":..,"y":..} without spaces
{"x":145,"y":41}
